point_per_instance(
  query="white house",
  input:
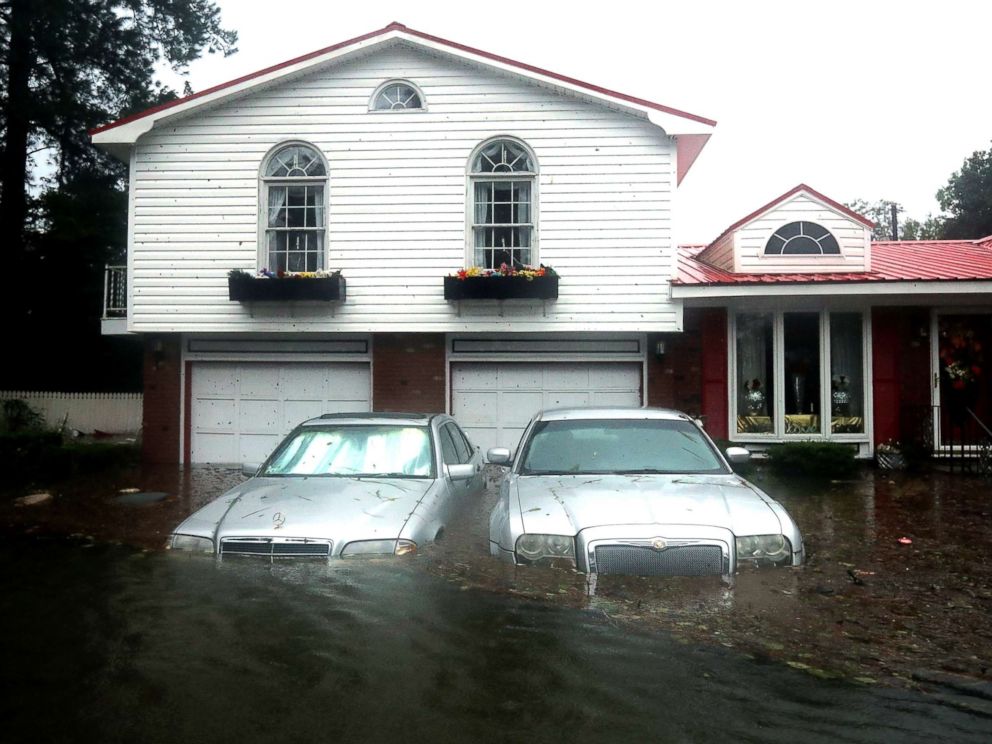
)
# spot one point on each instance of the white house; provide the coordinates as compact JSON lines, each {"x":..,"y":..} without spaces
{"x":398,"y":159}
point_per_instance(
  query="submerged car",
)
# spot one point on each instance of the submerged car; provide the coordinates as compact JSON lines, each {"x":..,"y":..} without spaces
{"x":633,"y":491}
{"x":343,"y":485}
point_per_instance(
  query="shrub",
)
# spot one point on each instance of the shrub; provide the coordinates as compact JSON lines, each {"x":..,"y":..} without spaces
{"x":18,"y":416}
{"x":817,"y":459}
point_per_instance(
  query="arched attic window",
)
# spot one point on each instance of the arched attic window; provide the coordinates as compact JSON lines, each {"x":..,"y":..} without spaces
{"x":294,"y":181}
{"x":397,"y":95}
{"x":502,"y":182}
{"x":802,"y":239}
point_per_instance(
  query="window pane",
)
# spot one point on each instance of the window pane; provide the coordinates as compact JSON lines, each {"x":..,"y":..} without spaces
{"x":755,"y":374}
{"x":802,"y":373}
{"x":847,"y":387}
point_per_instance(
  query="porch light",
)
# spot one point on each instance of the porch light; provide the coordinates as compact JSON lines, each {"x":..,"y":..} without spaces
{"x":659,"y":349}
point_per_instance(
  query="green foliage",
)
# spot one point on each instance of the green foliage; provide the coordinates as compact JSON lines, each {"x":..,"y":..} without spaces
{"x":19,"y":417}
{"x":816,"y":459}
{"x":967,"y":199}
{"x":880,"y":212}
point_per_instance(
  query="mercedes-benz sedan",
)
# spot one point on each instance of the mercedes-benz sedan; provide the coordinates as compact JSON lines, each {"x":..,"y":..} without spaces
{"x":343,"y":485}
{"x":633,"y":491}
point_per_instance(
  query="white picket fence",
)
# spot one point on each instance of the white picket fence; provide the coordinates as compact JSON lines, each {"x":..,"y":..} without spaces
{"x":113,"y":413}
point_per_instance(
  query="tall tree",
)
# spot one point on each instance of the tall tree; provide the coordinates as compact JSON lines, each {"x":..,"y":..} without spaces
{"x":73,"y":64}
{"x":967,"y":199}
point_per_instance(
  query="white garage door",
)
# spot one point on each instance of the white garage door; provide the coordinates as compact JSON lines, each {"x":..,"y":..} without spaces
{"x":494,"y":401}
{"x":240,"y":411}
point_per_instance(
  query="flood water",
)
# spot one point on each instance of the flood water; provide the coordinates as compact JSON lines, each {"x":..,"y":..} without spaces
{"x":109,"y":644}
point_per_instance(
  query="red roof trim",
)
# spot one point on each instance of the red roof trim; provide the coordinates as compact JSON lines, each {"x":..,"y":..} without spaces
{"x":792,"y":192}
{"x":394,"y":26}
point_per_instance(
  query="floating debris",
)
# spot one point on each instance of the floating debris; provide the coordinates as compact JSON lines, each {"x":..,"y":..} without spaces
{"x":34,"y":499}
{"x":140,"y":498}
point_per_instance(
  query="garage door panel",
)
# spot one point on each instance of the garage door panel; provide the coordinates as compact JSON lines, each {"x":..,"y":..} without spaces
{"x":518,"y":408}
{"x":494,"y":401}
{"x":241,"y":410}
{"x":520,"y":376}
{"x":477,"y":409}
{"x":615,"y":398}
{"x":607,"y":376}
{"x":259,"y":381}
{"x":256,"y":447}
{"x":255,"y":416}
{"x":566,"y":399}
{"x":218,"y":414}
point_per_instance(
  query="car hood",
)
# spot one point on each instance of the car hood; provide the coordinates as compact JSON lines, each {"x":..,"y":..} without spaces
{"x":568,"y":504}
{"x":320,"y":507}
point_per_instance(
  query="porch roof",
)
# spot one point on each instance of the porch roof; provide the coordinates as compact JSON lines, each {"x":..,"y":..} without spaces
{"x":892,"y":261}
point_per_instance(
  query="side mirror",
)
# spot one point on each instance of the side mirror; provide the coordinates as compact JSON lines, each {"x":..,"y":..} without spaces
{"x":498,"y":456}
{"x":249,"y":468}
{"x":738,"y":455}
{"x":461,"y":472}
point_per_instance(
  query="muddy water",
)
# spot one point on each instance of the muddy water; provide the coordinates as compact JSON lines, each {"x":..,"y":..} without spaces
{"x":106,"y":644}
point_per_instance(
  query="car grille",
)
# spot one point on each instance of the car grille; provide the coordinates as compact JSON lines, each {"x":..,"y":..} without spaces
{"x":276,"y":547}
{"x":686,"y":560}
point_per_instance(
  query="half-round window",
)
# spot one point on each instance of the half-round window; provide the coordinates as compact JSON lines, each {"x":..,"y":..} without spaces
{"x":802,"y":239}
{"x":295,"y":161}
{"x":503,"y":156}
{"x":397,"y":96}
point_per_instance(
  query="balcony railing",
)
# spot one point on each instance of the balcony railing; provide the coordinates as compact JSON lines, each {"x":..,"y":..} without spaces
{"x":957,"y":437}
{"x":115,"y":292}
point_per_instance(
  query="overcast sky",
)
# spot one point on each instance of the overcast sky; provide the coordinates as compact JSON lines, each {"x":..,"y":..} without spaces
{"x":871,"y":99}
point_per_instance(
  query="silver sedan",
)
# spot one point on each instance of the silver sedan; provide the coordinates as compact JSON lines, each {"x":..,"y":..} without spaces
{"x":633,"y":491}
{"x":343,"y":485}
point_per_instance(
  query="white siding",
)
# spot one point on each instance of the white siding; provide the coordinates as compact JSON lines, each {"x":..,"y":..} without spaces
{"x":721,"y":253}
{"x":397,"y":192}
{"x":852,"y":236}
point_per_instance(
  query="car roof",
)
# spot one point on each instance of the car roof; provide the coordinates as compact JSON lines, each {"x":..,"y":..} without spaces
{"x":615,"y":412}
{"x":366,"y":417}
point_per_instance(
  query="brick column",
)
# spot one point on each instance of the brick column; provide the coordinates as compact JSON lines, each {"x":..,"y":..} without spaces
{"x":408,"y":372}
{"x":163,"y":399}
{"x":675,"y":379}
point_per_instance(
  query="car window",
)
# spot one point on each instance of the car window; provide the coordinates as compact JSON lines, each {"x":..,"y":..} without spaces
{"x":355,"y":450}
{"x":462,"y":447}
{"x":619,"y":446}
{"x":449,"y":453}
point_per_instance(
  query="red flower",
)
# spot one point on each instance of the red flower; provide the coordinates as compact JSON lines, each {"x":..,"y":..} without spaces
{"x":958,"y":384}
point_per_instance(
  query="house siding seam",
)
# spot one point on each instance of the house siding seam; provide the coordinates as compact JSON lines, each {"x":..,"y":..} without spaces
{"x":408,"y":372}
{"x":397,"y":204}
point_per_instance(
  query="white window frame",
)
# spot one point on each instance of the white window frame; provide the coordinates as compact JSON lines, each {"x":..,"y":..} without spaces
{"x":265,"y":182}
{"x":473,"y":178}
{"x":778,"y":362}
{"x":397,"y":81}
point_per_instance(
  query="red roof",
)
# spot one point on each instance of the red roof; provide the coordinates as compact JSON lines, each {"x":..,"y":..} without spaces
{"x":891,"y":261}
{"x":419,"y":34}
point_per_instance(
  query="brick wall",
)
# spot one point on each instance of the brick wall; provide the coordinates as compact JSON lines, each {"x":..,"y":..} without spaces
{"x":408,"y":371}
{"x":163,"y":399}
{"x":675,"y":379}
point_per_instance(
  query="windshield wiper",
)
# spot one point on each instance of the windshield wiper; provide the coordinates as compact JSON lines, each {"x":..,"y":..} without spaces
{"x":648,"y":471}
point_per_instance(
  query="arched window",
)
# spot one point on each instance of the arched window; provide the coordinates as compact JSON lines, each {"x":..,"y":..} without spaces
{"x":502,"y":183}
{"x":294,"y":179}
{"x":397,"y":95}
{"x":803,"y":239}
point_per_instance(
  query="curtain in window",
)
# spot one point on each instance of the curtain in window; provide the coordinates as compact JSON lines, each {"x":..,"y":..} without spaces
{"x":755,"y":374}
{"x":846,"y":373}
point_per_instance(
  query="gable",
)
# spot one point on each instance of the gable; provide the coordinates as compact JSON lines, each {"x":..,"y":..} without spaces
{"x":800,"y":232}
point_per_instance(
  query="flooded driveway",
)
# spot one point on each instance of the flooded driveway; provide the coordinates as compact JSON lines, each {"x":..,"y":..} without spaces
{"x":122,"y":644}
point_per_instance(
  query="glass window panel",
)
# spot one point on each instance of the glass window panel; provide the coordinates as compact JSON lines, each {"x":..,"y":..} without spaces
{"x":802,"y":373}
{"x":755,"y":374}
{"x":847,"y":379}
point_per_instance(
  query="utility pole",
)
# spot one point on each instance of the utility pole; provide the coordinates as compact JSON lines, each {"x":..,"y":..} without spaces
{"x":894,"y":211}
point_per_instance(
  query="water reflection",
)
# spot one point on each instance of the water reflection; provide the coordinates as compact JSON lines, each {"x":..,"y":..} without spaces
{"x":107,"y":645}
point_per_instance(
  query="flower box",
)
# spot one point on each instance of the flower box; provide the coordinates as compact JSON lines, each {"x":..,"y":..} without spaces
{"x":246,"y":288}
{"x":497,"y":286}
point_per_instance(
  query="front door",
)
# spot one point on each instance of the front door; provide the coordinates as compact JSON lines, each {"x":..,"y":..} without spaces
{"x":962,"y":348}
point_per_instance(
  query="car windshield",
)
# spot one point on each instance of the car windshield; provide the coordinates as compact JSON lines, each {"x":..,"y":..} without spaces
{"x":356,"y":450}
{"x":622,"y":446}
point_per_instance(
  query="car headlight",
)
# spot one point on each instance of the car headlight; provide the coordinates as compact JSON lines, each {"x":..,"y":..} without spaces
{"x":774,"y":549}
{"x":534,"y":548}
{"x":191,"y":544}
{"x":379,"y":547}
